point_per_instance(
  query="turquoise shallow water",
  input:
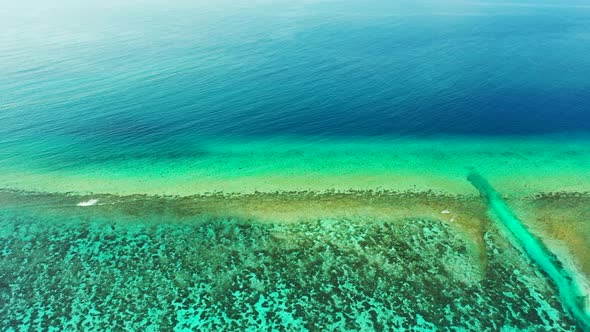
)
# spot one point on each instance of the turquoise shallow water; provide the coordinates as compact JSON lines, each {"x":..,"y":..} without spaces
{"x":520,"y":166}
{"x":294,"y":165}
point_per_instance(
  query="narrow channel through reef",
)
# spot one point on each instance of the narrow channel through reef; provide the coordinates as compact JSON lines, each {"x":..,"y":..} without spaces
{"x":569,"y":292}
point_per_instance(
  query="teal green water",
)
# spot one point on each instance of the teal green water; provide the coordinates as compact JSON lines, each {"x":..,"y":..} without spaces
{"x":520,"y":166}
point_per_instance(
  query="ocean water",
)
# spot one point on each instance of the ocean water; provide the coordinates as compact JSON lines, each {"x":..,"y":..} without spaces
{"x":294,"y":165}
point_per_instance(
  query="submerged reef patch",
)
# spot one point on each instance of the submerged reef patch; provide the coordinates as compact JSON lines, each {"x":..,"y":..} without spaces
{"x":165,"y":270}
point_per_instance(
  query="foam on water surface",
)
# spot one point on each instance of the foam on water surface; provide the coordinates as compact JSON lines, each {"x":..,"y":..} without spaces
{"x":90,"y":202}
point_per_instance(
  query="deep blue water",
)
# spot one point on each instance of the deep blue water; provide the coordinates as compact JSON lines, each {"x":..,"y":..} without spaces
{"x":139,"y":73}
